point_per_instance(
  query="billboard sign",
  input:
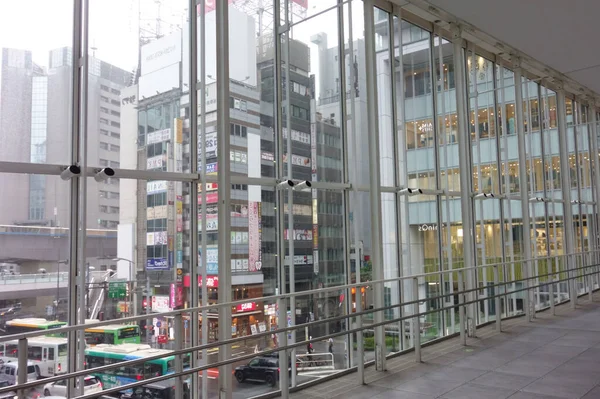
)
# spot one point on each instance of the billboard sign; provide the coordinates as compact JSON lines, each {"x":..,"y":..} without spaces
{"x":211,"y":281}
{"x":211,"y":198}
{"x":158,"y":136}
{"x":212,"y":259}
{"x":160,"y":303}
{"x":210,"y":145}
{"x":161,"y":53}
{"x":157,"y":264}
{"x":299,"y":235}
{"x":155,"y":162}
{"x":157,"y":186}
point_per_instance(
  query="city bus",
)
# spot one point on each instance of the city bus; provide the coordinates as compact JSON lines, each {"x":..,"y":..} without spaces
{"x":105,"y":354}
{"x":113,"y":334}
{"x":49,"y":354}
{"x":19,"y":326}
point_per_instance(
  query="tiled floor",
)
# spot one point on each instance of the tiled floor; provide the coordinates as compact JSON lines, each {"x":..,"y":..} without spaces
{"x":552,"y":357}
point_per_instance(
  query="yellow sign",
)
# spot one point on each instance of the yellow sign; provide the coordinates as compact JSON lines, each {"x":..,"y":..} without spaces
{"x":179,"y":272}
{"x":178,"y":123}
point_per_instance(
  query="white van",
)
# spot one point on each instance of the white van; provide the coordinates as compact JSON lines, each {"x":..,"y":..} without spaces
{"x":9,"y":372}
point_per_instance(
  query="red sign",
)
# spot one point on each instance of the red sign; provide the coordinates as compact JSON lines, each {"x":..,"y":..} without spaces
{"x":162,"y":339}
{"x":211,"y":198}
{"x":246,"y":307}
{"x":211,"y":281}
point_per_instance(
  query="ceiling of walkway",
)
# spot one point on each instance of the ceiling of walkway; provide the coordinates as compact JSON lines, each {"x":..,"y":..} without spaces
{"x":562,"y":34}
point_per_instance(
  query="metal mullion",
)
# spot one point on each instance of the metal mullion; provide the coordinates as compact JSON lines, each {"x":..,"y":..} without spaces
{"x":525,"y":217}
{"x":196,"y":339}
{"x":446,"y":201}
{"x":279,"y":202}
{"x":593,"y":146}
{"x":464,"y":144}
{"x":395,"y":13}
{"x":477,"y":223}
{"x":74,"y":189}
{"x":375,"y":175}
{"x":224,"y":214}
{"x":357,"y":252}
{"x":566,"y":188}
{"x":436,"y":150}
{"x":502,"y":137}
{"x":401,"y":173}
{"x":83,"y":142}
{"x":345,"y":173}
{"x":290,"y":196}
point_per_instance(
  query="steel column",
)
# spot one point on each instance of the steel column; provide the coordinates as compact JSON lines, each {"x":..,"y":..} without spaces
{"x":464,"y":144}
{"x":224,"y":211}
{"x":284,"y":380}
{"x":374,"y":181}
{"x":76,"y":98}
{"x":195,"y":390}
{"x":527,"y":266}
{"x":566,"y":191}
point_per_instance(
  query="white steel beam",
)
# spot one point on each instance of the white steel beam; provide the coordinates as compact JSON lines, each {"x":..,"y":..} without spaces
{"x":524,"y":197}
{"x":375,"y":181}
{"x":224,"y":211}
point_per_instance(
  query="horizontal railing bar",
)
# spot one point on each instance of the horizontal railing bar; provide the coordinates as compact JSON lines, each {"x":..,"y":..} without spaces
{"x":184,"y":351}
{"x":129,"y":319}
{"x":295,"y":345}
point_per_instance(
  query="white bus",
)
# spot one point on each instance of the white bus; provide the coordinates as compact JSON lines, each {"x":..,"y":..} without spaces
{"x":49,"y":354}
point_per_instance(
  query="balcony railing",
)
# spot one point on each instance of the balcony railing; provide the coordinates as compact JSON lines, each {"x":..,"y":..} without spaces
{"x":559,"y":278}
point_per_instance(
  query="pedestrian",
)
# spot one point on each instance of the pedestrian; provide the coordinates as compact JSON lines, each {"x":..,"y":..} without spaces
{"x":330,"y":345}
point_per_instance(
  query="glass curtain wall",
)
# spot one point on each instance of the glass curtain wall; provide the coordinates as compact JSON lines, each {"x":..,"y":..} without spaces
{"x":179,"y":144}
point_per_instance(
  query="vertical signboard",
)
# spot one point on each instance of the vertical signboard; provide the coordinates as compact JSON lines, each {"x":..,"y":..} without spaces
{"x":253,"y":236}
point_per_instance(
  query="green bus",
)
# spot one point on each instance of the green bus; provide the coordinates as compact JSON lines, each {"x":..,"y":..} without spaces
{"x":113,"y":334}
{"x":20,"y":326}
{"x":105,"y":354}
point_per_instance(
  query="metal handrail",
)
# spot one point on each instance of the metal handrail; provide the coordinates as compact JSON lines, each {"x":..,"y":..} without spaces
{"x":273,"y":298}
{"x":298,"y":344}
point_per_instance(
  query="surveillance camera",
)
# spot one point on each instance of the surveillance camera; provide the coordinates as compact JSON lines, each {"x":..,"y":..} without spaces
{"x":103,"y":174}
{"x":286,"y":184}
{"x":303,"y":185}
{"x":70,"y":171}
{"x":411,"y":191}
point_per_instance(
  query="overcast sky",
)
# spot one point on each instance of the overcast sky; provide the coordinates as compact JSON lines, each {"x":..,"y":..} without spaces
{"x":42,"y":25}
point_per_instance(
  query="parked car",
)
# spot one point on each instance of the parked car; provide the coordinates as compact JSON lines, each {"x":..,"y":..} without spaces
{"x":262,"y":368}
{"x":91,"y":384}
{"x":9,"y":372}
{"x":158,"y":390}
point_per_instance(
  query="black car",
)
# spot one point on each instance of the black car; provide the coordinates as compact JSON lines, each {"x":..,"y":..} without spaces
{"x":158,"y":390}
{"x":262,"y":368}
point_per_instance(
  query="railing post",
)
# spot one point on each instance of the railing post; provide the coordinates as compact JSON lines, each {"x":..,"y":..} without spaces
{"x":22,"y":367}
{"x":497,"y":299}
{"x":179,"y":336}
{"x":417,"y":321}
{"x":590,"y":283}
{"x":461,"y":309}
{"x":551,"y":290}
{"x":360,"y":358}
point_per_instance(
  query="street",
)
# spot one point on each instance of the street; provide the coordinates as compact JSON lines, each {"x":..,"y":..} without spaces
{"x":248,"y":389}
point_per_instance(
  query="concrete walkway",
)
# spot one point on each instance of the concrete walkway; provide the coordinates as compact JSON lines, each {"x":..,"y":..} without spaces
{"x":552,"y":357}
